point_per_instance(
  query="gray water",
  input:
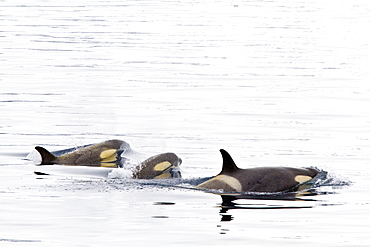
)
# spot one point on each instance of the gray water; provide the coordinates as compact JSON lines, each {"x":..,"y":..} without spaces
{"x":276,"y":83}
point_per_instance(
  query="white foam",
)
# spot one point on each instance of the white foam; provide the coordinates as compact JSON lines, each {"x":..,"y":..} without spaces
{"x":120,"y":173}
{"x":78,"y":171}
{"x":34,"y":157}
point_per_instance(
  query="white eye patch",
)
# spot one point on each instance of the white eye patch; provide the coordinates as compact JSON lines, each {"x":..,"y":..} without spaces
{"x":162,"y":166}
{"x":302,"y":178}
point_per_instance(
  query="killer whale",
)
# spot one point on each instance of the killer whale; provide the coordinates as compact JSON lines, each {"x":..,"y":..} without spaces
{"x":161,"y":166}
{"x":106,"y":154}
{"x":263,"y":179}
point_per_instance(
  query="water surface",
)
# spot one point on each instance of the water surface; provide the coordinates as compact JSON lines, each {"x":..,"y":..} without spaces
{"x":274,"y":83}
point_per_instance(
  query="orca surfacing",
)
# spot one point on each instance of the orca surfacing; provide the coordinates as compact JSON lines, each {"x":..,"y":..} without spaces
{"x":106,"y":153}
{"x":264,"y":179}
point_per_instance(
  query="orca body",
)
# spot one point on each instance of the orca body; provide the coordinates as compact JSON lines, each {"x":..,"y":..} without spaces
{"x":161,"y":166}
{"x":108,"y":155}
{"x":264,"y":179}
{"x":105,"y":154}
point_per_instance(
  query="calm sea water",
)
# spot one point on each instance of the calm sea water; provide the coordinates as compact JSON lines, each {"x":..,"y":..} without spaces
{"x":274,"y":83}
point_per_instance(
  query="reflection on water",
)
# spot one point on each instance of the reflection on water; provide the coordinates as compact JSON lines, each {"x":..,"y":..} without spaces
{"x":261,"y":201}
{"x":18,"y":240}
{"x":289,"y":200}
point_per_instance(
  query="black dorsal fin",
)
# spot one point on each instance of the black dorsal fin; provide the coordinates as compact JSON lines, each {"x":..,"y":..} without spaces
{"x":47,"y":157}
{"x":228,"y":165}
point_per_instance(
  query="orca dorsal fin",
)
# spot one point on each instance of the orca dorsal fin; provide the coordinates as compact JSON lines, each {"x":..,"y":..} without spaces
{"x":47,"y":157}
{"x":228,"y":164}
